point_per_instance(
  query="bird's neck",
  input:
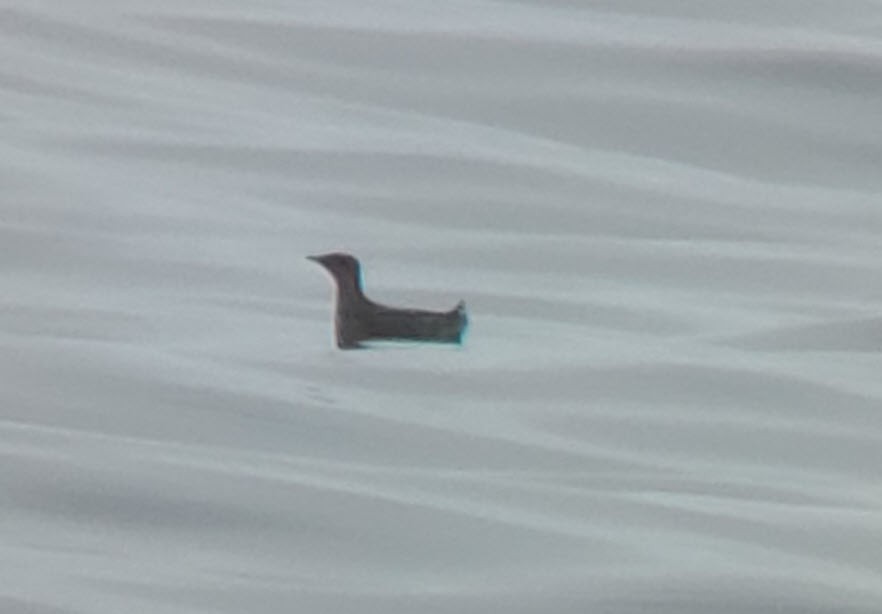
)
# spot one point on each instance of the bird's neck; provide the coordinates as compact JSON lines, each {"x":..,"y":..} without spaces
{"x":349,"y":292}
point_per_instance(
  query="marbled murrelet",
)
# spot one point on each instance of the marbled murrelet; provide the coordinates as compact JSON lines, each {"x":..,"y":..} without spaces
{"x":357,"y":318}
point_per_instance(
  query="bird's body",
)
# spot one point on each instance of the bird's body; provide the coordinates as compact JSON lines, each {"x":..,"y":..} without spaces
{"x":357,"y":318}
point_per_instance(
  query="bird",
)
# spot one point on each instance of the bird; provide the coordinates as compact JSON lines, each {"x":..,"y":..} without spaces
{"x":357,"y":318}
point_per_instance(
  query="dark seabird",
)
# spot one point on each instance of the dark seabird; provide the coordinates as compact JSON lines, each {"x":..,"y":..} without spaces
{"x":357,"y":318}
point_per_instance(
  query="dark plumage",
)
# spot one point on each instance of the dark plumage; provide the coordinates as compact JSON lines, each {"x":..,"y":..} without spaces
{"x":357,"y":318}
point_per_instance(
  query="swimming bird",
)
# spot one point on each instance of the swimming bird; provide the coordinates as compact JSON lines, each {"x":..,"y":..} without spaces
{"x":357,"y":318}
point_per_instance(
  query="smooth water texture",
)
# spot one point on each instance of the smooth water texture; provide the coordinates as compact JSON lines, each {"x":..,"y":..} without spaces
{"x":664,"y":218}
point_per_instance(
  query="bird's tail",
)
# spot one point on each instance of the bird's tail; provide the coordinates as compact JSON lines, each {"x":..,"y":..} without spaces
{"x":463,"y":324}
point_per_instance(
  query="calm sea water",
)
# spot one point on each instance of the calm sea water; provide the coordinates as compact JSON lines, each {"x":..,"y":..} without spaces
{"x":664,"y":219}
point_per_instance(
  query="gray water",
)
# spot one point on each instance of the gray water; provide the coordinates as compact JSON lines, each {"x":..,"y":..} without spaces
{"x":663,"y":216}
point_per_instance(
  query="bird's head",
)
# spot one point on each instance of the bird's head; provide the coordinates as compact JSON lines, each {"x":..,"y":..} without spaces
{"x":342,"y":266}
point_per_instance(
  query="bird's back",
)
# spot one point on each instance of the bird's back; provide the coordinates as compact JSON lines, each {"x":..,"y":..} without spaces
{"x":417,"y":324}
